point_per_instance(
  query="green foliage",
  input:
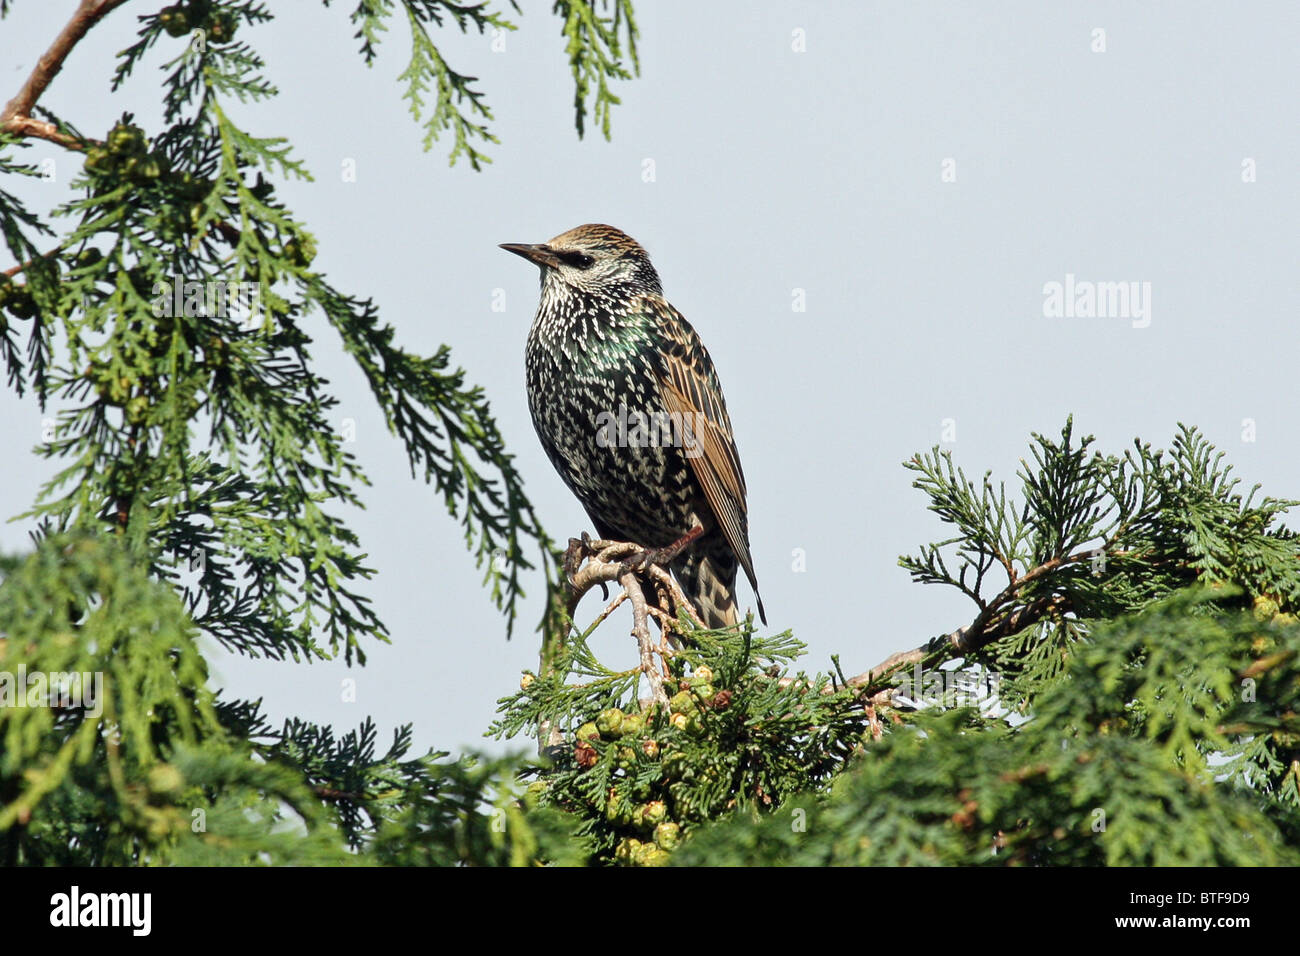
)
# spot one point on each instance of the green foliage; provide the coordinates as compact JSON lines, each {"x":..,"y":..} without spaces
{"x":1094,"y":536}
{"x":122,"y":644}
{"x":1138,"y":609}
{"x":474,"y":812}
{"x":1112,"y":768}
{"x":1211,"y":691}
{"x":458,"y":106}
{"x":203,"y":482}
{"x":595,"y":50}
{"x":451,"y":439}
{"x":734,"y":735}
{"x":134,"y":762}
{"x":1144,"y":632}
{"x":190,"y":415}
{"x":261,"y":815}
{"x":16,"y":222}
{"x":128,"y":761}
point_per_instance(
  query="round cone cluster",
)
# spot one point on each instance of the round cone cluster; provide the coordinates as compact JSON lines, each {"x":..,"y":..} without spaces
{"x":645,"y":754}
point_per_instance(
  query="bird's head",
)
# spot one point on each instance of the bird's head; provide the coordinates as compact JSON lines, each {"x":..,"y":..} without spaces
{"x":594,"y":259}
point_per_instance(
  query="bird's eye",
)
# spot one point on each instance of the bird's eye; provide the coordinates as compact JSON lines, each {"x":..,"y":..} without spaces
{"x":579,"y":260}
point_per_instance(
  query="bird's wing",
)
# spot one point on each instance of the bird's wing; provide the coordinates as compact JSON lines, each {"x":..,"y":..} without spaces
{"x":689,"y":387}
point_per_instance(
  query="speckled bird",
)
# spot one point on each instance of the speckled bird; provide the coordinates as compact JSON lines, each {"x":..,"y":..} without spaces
{"x":608,"y":359}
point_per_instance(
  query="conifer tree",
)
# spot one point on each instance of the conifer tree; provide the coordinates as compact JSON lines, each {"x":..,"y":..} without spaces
{"x":1137,"y":616}
{"x":201,"y":487}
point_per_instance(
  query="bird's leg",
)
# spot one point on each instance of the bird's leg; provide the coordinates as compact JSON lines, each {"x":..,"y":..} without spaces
{"x":662,"y":556}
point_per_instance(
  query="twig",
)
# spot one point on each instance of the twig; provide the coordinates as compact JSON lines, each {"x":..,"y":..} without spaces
{"x":641,"y":631}
{"x":22,"y":266}
{"x":16,"y":118}
{"x":676,"y":593}
{"x":610,"y":608}
{"x":329,"y":793}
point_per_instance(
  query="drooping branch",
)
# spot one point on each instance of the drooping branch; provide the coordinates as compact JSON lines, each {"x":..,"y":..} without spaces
{"x":16,"y":117}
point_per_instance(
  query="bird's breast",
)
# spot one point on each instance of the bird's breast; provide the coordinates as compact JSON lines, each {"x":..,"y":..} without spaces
{"x":593,"y":392}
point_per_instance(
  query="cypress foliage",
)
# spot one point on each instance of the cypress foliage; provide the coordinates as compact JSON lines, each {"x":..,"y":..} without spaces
{"x":202,"y":487}
{"x":1139,"y":612}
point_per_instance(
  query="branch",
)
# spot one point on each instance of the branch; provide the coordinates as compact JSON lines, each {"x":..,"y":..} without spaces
{"x":23,"y":266}
{"x":876,"y":683}
{"x":38,"y":129}
{"x":984,"y":630}
{"x":17,"y":115}
{"x":591,"y":563}
{"x":641,"y":631}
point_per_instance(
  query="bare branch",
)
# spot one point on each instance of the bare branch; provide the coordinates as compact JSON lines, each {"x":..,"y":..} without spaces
{"x":641,"y":631}
{"x":591,"y":563}
{"x":16,"y":117}
{"x":39,"y":129}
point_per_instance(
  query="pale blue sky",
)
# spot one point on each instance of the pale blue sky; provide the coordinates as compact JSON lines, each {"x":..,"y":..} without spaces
{"x":777,"y":171}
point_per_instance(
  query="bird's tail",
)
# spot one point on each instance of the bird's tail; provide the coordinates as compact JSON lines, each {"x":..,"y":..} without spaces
{"x":709,"y":580}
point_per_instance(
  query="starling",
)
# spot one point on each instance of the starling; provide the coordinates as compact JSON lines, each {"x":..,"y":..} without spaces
{"x":628,"y":406}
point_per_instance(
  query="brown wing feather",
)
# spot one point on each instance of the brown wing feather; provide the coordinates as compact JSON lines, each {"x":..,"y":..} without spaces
{"x":689,"y":388}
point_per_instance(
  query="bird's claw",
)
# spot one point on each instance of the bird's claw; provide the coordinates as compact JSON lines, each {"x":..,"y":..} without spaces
{"x":578,"y":551}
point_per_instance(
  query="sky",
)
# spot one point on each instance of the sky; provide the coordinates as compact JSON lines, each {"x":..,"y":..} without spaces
{"x":872,"y":213}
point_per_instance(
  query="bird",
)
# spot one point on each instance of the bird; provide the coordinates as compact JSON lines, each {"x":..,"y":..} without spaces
{"x":629,"y":409}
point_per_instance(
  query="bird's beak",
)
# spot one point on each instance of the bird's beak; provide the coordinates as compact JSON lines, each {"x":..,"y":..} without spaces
{"x":538,"y":253}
